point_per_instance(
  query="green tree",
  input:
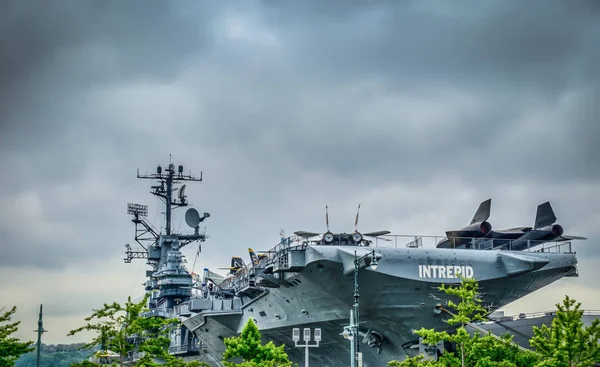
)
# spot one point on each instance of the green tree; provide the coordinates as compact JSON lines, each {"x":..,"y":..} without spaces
{"x":248,"y":346}
{"x":11,"y":348}
{"x":567,"y":342}
{"x":85,"y":364}
{"x":476,"y":350}
{"x":124,"y":329}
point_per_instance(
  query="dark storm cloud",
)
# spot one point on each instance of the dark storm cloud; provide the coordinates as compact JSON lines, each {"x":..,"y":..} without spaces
{"x":504,"y":80}
{"x":486,"y":44}
{"x":53,"y":54}
{"x":287,"y":106}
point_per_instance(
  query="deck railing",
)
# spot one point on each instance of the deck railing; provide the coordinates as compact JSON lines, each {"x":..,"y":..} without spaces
{"x":535,"y":315}
{"x":428,"y":241}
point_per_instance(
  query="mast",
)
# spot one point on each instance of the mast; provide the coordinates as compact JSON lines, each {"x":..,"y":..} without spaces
{"x":165,"y":189}
{"x":168,"y":281}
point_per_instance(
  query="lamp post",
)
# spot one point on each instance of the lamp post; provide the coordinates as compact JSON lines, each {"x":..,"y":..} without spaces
{"x":306,"y":338}
{"x":371,"y":260}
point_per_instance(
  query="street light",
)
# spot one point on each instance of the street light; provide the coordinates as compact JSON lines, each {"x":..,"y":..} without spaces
{"x":371,"y":261}
{"x":306,"y":338}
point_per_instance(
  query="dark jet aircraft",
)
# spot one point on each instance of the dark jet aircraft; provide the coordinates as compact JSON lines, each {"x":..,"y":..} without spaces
{"x":479,"y":227}
{"x":545,"y":229}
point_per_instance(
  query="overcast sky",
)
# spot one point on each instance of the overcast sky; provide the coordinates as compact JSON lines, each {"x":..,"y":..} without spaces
{"x":418,"y":110}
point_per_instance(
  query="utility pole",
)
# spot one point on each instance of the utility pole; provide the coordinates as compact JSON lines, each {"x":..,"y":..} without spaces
{"x":40,"y":330}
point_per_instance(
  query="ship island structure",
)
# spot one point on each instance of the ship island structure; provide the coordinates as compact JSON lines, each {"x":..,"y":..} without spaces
{"x":357,"y":296}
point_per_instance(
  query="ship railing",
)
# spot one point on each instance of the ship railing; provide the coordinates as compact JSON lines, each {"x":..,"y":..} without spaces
{"x":535,"y":315}
{"x":185,"y":348}
{"x":281,"y":250}
{"x":428,"y":241}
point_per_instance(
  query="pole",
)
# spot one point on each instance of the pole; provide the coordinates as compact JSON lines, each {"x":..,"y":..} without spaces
{"x":356,"y":307}
{"x":354,"y":329}
{"x":170,"y":173}
{"x":40,"y":330}
{"x":306,"y":355}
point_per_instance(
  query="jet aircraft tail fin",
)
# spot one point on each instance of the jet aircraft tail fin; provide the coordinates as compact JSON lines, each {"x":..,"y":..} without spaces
{"x":237,"y":262}
{"x":483,"y":212}
{"x":253,"y":256}
{"x":544,"y":216}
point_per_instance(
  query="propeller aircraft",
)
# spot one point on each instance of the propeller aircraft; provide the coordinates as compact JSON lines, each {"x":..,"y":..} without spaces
{"x":330,"y":238}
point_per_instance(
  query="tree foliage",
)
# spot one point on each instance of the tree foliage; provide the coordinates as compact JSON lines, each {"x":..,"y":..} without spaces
{"x":567,"y":342}
{"x":11,"y":348}
{"x":476,"y":350}
{"x":249,"y":347}
{"x":124,"y":329}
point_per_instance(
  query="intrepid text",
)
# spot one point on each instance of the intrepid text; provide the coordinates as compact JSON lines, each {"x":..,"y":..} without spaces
{"x":445,"y":271}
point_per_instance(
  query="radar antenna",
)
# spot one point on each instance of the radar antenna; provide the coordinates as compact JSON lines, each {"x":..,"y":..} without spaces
{"x":165,"y":189}
{"x":145,"y":234}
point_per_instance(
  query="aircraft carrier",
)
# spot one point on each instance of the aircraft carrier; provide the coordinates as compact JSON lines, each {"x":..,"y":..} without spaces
{"x":356,"y":296}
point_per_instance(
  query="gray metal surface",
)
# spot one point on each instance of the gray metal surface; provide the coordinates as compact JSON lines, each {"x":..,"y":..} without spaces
{"x":395,"y":298}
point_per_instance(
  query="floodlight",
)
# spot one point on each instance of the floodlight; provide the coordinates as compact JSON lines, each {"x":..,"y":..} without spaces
{"x":347,"y":334}
{"x":296,"y":334}
{"x":317,"y":335}
{"x":137,"y":209}
{"x":306,"y":334}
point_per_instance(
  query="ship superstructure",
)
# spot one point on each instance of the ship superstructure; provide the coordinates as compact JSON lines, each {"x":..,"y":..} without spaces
{"x":313,"y":280}
{"x":169,"y":282}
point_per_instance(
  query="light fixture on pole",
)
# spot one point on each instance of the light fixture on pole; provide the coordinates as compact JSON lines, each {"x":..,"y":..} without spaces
{"x":349,"y":333}
{"x":370,"y":260}
{"x":306,"y":338}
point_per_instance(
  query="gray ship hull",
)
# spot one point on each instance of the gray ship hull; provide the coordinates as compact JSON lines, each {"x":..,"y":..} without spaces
{"x":396,"y":298}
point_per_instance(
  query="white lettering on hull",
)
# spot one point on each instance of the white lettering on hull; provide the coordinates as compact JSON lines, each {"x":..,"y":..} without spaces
{"x":445,"y":271}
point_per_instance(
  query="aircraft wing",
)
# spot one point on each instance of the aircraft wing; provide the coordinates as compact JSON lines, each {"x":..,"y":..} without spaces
{"x":516,"y":229}
{"x":375,"y":234}
{"x":306,"y":234}
{"x":568,"y":238}
{"x":213,"y":275}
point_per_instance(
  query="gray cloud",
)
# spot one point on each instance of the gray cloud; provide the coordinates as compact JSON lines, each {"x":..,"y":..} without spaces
{"x":416,"y":110}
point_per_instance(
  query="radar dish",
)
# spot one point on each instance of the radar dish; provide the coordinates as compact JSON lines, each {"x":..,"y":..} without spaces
{"x":192,"y":218}
{"x":182,"y":193}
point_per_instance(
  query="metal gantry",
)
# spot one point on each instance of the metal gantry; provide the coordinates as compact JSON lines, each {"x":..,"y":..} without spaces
{"x":306,"y":339}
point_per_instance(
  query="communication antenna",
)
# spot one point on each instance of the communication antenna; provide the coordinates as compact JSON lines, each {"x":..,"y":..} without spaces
{"x":182,"y":194}
{"x":192,"y":217}
{"x":327,"y":217}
